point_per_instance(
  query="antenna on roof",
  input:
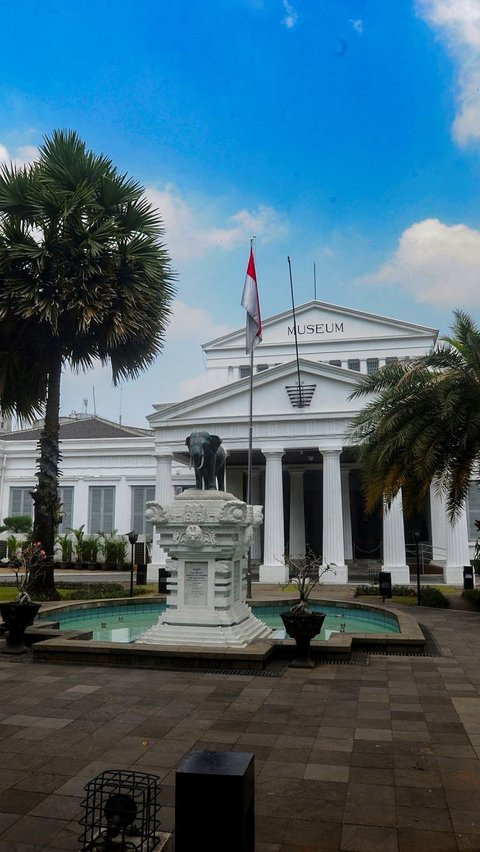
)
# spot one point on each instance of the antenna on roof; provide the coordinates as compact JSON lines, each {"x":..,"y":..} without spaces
{"x":94,"y":403}
{"x":120,"y":413}
{"x":314,"y":281}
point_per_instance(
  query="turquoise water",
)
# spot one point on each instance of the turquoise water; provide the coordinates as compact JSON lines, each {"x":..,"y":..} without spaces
{"x":128,"y":623}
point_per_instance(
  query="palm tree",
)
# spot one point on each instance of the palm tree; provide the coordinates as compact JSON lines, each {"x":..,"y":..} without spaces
{"x":423,"y":424}
{"x":84,"y":277}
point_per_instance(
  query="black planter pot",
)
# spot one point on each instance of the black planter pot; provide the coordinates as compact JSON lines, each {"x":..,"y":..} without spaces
{"x":303,"y":627}
{"x":16,"y":618}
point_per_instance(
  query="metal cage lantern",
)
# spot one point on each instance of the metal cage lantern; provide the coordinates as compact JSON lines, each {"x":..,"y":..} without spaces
{"x":121,"y":812}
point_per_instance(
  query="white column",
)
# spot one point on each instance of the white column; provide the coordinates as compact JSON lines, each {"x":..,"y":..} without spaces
{"x":123,"y":507}
{"x":346,"y":513}
{"x":333,"y":551}
{"x":458,"y":553}
{"x":163,"y":494}
{"x":163,"y":480}
{"x":394,"y":559}
{"x":256,"y":552}
{"x":273,"y":569}
{"x":438,"y":521}
{"x":297,"y":514}
{"x":80,"y":505}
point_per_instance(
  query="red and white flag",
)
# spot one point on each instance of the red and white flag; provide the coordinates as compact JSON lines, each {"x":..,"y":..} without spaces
{"x":251,"y":304}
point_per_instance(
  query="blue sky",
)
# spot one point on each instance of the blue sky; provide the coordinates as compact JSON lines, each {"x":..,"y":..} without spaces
{"x":343,"y":133}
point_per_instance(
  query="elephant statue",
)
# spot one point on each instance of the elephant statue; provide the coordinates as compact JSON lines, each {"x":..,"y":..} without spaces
{"x":208,"y":457}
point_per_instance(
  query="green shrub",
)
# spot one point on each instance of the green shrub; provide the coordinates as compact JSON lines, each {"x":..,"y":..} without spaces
{"x":92,"y":591}
{"x":364,"y":591}
{"x":18,"y":523}
{"x":429,"y":596}
{"x":372,"y":591}
{"x":472,"y":595}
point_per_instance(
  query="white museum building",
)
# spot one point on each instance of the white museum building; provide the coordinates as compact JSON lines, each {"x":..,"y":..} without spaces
{"x":303,"y":469}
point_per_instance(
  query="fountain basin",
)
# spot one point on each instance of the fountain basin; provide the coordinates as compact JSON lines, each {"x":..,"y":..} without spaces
{"x":65,"y":645}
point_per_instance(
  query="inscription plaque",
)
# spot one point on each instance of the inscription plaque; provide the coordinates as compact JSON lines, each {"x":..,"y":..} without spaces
{"x":196,"y":583}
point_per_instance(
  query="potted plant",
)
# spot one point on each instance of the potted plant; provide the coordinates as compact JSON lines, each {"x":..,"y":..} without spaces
{"x":66,"y":545}
{"x":19,"y":614}
{"x":109,"y":549}
{"x":301,"y":623}
{"x":94,"y":545}
{"x":121,"y":551}
{"x":79,"y":536}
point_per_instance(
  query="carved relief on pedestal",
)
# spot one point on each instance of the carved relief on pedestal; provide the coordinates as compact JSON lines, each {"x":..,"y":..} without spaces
{"x":234,"y":511}
{"x":213,"y":512}
{"x":194,"y":513}
{"x":194,"y":535}
{"x":155,"y":513}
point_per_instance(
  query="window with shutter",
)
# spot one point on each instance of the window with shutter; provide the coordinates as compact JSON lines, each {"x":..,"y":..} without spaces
{"x":65,"y":495}
{"x":101,"y":510}
{"x":21,"y":502}
{"x":141,"y":494}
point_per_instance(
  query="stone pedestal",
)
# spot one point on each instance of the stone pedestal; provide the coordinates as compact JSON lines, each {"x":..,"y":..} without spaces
{"x":206,"y":535}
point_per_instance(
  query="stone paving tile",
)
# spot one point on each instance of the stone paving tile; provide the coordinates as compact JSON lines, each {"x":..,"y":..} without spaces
{"x":416,"y":840}
{"x":361,"y":838}
{"x":370,"y":814}
{"x":6,"y":820}
{"x":39,"y":832}
{"x":303,"y":833}
{"x":346,"y":757}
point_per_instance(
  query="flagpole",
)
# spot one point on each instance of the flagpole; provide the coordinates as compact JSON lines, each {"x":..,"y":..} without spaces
{"x":295,"y":334}
{"x":253,"y":336}
{"x":249,"y":461}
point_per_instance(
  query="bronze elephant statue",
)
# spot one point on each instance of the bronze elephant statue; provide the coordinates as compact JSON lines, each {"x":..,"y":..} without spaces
{"x":208,"y":458}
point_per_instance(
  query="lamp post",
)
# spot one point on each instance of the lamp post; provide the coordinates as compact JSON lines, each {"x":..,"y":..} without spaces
{"x":416,"y":537}
{"x":132,"y":537}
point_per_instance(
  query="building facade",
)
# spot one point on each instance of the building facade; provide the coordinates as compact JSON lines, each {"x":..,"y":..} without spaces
{"x":304,"y":473}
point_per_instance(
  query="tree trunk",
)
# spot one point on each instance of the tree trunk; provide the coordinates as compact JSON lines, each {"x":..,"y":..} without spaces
{"x":45,"y":497}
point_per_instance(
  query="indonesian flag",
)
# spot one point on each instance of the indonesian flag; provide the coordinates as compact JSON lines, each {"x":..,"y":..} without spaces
{"x":252,"y":306}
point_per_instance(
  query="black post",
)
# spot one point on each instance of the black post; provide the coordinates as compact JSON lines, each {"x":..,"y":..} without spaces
{"x":132,"y":537}
{"x":416,"y":537}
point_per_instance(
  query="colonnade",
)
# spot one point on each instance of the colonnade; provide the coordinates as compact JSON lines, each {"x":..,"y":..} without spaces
{"x":336,"y":521}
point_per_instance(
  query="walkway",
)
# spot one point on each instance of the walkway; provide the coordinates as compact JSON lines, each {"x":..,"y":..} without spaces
{"x":381,"y":756}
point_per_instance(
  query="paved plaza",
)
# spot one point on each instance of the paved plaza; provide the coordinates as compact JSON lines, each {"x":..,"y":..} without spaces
{"x":380,"y":754}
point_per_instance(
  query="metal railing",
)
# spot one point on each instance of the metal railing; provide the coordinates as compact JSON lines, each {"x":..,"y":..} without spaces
{"x":427,"y":553}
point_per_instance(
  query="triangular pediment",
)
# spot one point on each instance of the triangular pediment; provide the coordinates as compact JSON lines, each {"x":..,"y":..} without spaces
{"x":325,"y":390}
{"x":324,"y":323}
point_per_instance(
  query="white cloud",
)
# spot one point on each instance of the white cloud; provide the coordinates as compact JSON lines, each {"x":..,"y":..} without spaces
{"x":197,"y":385}
{"x":193,"y":323}
{"x":20,"y":156}
{"x":357,"y":25}
{"x":190,"y":232}
{"x":436,"y":263}
{"x":458,"y":23}
{"x":291,"y":17}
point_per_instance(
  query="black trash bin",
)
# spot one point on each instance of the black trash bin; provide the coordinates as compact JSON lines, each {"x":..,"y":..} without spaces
{"x":141,"y":575}
{"x":468,"y":577}
{"x":214,"y":802}
{"x":385,"y":584}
